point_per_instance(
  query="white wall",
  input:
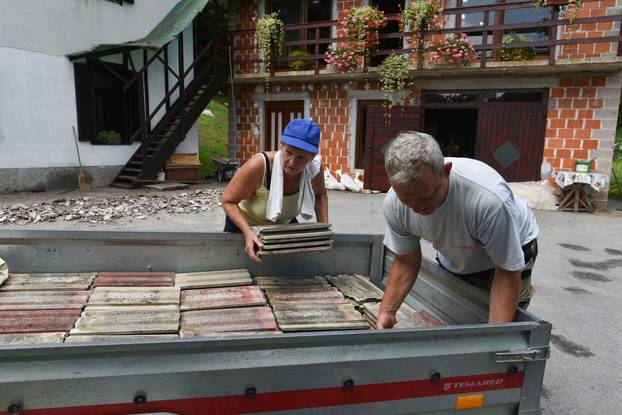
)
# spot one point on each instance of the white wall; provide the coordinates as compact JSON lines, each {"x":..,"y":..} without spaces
{"x":38,"y":103}
{"x":61,"y":27}
{"x":37,"y":111}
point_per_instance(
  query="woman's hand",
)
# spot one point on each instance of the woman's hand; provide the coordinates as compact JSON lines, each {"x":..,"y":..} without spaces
{"x":251,"y":241}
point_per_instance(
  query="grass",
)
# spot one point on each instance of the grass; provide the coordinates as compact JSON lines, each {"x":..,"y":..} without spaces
{"x":614,"y":191}
{"x":213,"y":135}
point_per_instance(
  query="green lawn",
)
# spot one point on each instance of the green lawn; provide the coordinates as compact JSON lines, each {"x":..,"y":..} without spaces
{"x":213,"y":135}
{"x":614,"y":191}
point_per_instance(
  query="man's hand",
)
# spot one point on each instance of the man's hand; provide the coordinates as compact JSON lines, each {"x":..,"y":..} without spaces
{"x":251,"y":241}
{"x":386,"y":319}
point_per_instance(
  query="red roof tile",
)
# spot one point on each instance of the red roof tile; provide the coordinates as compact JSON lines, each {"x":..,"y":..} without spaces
{"x":134,"y":279}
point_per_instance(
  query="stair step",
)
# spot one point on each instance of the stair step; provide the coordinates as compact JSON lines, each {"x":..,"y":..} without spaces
{"x":135,"y":163}
{"x":124,"y":178}
{"x":131,"y":170}
{"x":121,"y":185}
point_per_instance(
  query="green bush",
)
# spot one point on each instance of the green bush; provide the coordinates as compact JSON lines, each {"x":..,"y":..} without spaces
{"x":300,"y":65}
{"x":109,"y":137}
{"x":516,"y":54}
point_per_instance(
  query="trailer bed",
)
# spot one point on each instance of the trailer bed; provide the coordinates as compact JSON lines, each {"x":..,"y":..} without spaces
{"x":466,"y":364}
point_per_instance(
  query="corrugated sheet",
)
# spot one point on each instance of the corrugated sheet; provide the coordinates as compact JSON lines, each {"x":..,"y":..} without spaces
{"x":210,"y":298}
{"x":203,"y":322}
{"x":305,"y":295}
{"x":102,"y":338}
{"x":37,"y":321}
{"x":143,"y":319}
{"x":210,"y":279}
{"x":356,"y":287}
{"x":319,"y":317}
{"x":134,"y":296}
{"x":134,"y":279}
{"x":32,"y":338}
{"x":42,"y":300}
{"x":38,"y":282}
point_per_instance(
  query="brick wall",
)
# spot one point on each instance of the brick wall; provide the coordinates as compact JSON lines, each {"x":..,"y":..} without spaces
{"x":581,"y":124}
{"x":591,"y":30}
{"x":242,"y":14}
{"x":328,"y":106}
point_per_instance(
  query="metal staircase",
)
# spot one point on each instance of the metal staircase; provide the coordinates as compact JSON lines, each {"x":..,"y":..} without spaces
{"x":194,"y":88}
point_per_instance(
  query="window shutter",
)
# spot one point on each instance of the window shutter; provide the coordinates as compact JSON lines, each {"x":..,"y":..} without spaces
{"x":85,"y":101}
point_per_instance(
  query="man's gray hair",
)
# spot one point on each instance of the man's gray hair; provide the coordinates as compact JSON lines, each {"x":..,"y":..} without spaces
{"x":408,"y":152}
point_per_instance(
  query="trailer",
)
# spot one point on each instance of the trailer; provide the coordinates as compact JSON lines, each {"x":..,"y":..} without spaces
{"x":468,"y":366}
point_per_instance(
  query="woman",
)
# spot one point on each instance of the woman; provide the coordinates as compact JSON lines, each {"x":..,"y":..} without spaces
{"x":275,"y":186}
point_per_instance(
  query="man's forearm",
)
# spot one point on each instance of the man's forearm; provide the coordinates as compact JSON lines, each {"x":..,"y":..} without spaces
{"x":321,"y":208}
{"x":504,"y":293}
{"x":402,"y":276}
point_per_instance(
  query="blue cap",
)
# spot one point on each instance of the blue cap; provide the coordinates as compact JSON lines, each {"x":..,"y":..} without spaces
{"x":302,"y":134}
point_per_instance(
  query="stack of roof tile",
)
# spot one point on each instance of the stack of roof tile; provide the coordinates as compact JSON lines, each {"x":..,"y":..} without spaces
{"x":231,"y":306}
{"x":41,"y":308}
{"x":368,"y":298}
{"x":310,"y":304}
{"x":295,"y":237}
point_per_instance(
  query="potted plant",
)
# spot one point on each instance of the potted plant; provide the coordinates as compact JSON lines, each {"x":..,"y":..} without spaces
{"x":516,"y":54}
{"x":454,"y":50}
{"x":108,"y":137}
{"x":569,"y":8}
{"x":343,"y":58}
{"x":418,"y":16}
{"x":393,"y":77}
{"x":270,"y":36}
{"x":299,"y":65}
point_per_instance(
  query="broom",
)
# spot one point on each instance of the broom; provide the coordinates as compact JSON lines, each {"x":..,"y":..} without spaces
{"x":82,"y":182}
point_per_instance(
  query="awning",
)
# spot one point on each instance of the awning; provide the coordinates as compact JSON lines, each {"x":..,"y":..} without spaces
{"x":178,"y":19}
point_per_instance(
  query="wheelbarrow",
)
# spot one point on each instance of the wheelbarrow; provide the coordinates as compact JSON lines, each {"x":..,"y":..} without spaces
{"x":225,"y":165}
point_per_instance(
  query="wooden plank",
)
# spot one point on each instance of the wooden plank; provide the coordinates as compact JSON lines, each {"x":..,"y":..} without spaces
{"x":271,"y":247}
{"x":37,"y":321}
{"x":295,"y":250}
{"x":129,"y":279}
{"x":290,"y":282}
{"x":210,"y":298}
{"x":43,"y":300}
{"x":203,"y":322}
{"x":39,"y":282}
{"x":304,"y":295}
{"x":111,"y":296}
{"x":123,"y":338}
{"x":356,"y":287}
{"x":32,"y":338}
{"x":210,"y":279}
{"x":115,"y":320}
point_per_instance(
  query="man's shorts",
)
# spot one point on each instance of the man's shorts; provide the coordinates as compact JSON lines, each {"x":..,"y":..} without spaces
{"x":483,"y":279}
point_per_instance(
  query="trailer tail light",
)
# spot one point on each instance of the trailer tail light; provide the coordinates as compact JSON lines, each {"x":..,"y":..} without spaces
{"x":470,"y":401}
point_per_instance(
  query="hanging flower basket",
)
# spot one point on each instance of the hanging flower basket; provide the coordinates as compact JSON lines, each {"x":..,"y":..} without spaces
{"x":393,"y":75}
{"x":419,"y":16}
{"x":270,"y":36}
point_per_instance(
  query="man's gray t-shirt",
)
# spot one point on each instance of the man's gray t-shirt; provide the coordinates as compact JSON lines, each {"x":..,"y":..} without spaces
{"x":480,"y":225}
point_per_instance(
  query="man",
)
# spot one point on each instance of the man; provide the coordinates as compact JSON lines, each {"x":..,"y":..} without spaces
{"x":482,"y":232}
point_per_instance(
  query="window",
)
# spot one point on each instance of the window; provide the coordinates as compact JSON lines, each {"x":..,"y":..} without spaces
{"x":101,"y":105}
{"x":388,"y":7}
{"x":305,"y":11}
{"x":504,"y":17}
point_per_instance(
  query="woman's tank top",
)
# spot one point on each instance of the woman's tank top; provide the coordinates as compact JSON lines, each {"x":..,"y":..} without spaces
{"x":254,"y":208}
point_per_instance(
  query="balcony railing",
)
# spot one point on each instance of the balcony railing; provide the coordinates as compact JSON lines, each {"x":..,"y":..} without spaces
{"x":489,"y":30}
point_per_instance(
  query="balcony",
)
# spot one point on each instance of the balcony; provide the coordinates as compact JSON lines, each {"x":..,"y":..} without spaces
{"x":589,"y":44}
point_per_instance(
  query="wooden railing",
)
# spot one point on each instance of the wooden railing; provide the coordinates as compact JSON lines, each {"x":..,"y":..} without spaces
{"x":490,"y":33}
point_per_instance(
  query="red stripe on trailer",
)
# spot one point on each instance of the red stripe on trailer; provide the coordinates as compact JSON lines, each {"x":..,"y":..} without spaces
{"x":302,"y":399}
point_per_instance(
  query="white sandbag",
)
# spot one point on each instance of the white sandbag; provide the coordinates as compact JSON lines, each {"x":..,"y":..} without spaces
{"x":538,"y":195}
{"x":330,"y":182}
{"x":4,"y":271}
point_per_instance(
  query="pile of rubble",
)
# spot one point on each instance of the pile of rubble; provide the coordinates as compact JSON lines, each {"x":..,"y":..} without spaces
{"x":104,"y":210}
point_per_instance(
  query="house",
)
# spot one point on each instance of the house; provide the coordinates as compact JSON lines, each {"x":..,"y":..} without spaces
{"x":130,"y":76}
{"x":561,"y":106}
